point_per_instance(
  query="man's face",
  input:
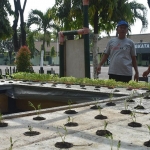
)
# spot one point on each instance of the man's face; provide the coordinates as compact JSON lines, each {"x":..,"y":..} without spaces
{"x":122,"y":30}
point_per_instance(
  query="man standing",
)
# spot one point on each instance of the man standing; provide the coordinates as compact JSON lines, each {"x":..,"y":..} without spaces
{"x":122,"y":56}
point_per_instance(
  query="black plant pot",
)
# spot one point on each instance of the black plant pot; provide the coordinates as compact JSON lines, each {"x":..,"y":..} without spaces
{"x":63,"y":145}
{"x":71,"y":111}
{"x":31,"y":133}
{"x":103,"y":133}
{"x":39,"y":118}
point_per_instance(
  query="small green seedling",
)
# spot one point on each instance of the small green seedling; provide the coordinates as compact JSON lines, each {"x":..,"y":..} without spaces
{"x":141,"y":98}
{"x":36,"y":109}
{"x":11,"y":143}
{"x":96,"y":101}
{"x":105,"y":124}
{"x":30,"y":128}
{"x":133,"y":116}
{"x":126,"y":105}
{"x":63,"y":135}
{"x":1,"y":118}
{"x":118,"y":145}
{"x":111,"y":94}
{"x":70,"y":119}
{"x":111,"y":142}
{"x":132,"y":94}
{"x":99,"y":109}
{"x":70,"y":104}
{"x":148,"y":128}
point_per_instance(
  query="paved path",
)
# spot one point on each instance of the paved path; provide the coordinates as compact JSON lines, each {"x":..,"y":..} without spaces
{"x":103,"y":75}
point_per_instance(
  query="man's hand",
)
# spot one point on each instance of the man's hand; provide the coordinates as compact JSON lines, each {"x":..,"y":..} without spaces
{"x":145,"y":73}
{"x":136,"y":77}
{"x":98,"y":69}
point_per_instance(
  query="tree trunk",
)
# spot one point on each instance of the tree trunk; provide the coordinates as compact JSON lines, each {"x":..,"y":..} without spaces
{"x":95,"y":55}
{"x":18,"y":42}
{"x":149,"y":3}
{"x":14,"y":27}
{"x":95,"y":48}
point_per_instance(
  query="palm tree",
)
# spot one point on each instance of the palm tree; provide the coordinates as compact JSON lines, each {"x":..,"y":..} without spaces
{"x":44,"y":21}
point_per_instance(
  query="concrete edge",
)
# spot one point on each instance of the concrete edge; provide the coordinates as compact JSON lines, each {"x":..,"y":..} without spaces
{"x":54,"y":109}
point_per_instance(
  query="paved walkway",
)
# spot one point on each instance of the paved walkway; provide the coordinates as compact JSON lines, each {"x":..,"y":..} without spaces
{"x":103,"y":75}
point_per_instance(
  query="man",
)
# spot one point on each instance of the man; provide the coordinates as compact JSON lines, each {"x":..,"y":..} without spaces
{"x":122,"y":56}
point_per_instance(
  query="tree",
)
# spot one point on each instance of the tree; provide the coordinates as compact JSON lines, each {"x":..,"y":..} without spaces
{"x":5,"y":28}
{"x":102,"y":21}
{"x":148,"y":2}
{"x":53,"y":52}
{"x":19,"y":10}
{"x":44,"y":21}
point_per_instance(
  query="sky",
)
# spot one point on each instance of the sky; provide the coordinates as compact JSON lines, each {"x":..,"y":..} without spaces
{"x":43,"y":5}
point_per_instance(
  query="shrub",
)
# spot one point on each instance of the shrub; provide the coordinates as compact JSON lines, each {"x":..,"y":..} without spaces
{"x":23,"y":60}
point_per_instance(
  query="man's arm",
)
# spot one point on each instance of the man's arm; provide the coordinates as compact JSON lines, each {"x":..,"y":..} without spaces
{"x":134,"y":63}
{"x":104,"y":58}
{"x":145,"y":73}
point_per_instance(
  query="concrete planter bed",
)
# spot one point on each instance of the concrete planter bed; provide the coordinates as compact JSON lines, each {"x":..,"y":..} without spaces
{"x":14,"y":95}
{"x":85,"y":135}
{"x":78,"y":126}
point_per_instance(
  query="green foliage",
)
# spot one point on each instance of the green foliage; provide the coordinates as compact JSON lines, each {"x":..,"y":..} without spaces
{"x":118,"y":145}
{"x":99,"y":109}
{"x":133,"y":116}
{"x":111,"y":138}
{"x":11,"y":143}
{"x":126,"y":105}
{"x":53,"y":52}
{"x":36,"y":109}
{"x":105,"y":124}
{"x":23,"y":60}
{"x":148,"y":126}
{"x":30,"y":128}
{"x":5,"y":27}
{"x":86,"y":81}
{"x":70,"y":119}
{"x":62,"y":135}
{"x":1,"y":117}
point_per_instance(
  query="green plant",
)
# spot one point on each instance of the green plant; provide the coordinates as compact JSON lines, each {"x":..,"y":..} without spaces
{"x":100,"y":109}
{"x":141,"y":98}
{"x":111,"y":94}
{"x":133,"y":116}
{"x":148,"y":126}
{"x":63,"y":135}
{"x":70,"y":104}
{"x":105,"y":124}
{"x":30,"y":128}
{"x":118,"y":145}
{"x":126,"y":105}
{"x":11,"y":143}
{"x":23,"y":59}
{"x":1,"y":117}
{"x":36,"y":109}
{"x":111,"y":138}
{"x":70,"y":119}
{"x":112,"y":141}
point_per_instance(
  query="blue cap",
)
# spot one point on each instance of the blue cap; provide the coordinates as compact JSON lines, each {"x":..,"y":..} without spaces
{"x":122,"y":22}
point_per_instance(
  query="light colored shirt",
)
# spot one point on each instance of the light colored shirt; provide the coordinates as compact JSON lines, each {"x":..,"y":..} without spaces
{"x":120,"y":52}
